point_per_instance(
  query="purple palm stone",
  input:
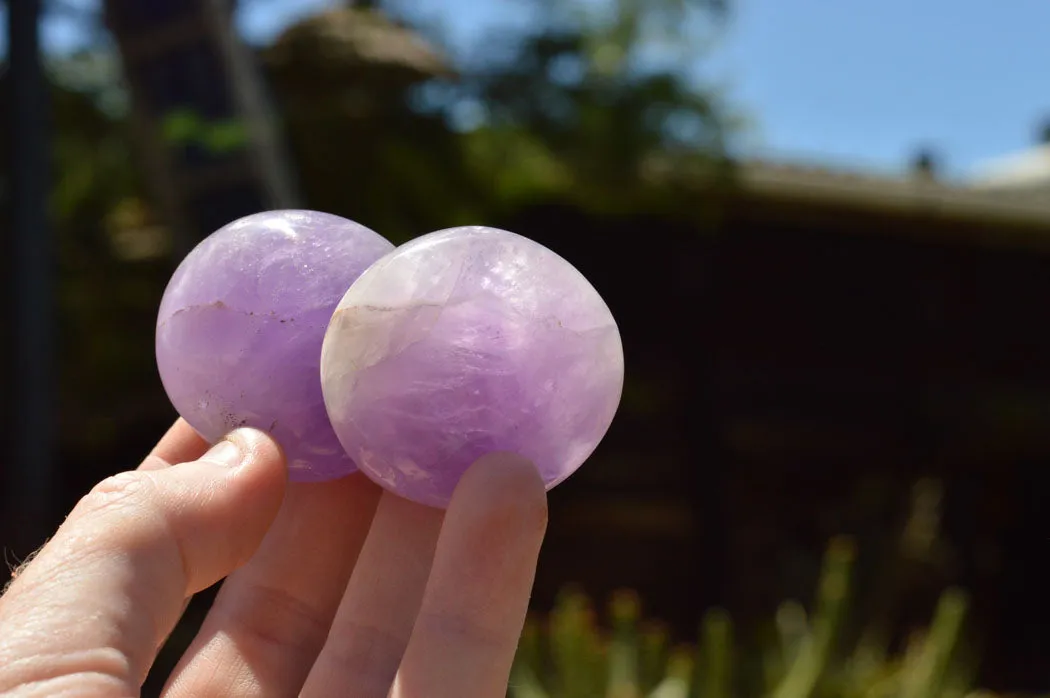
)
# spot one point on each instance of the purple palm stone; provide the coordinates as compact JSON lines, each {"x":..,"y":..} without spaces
{"x":241,"y":324}
{"x":464,"y":342}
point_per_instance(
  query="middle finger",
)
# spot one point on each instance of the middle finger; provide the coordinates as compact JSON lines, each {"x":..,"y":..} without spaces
{"x":272,"y":616}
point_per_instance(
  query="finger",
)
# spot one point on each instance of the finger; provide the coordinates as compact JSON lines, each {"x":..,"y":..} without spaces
{"x":89,"y":611}
{"x":474,"y":606}
{"x":180,"y":444}
{"x":374,"y":621}
{"x":271,"y":617}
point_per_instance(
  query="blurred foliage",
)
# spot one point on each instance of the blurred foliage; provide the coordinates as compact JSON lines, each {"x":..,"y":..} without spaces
{"x":184,"y":127}
{"x":106,"y":299}
{"x":806,"y":655}
{"x":850,"y":641}
{"x":592,"y":98}
{"x":372,"y":113}
{"x":386,"y":129}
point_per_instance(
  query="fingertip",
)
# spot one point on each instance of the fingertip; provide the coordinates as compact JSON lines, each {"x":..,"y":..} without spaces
{"x":217,"y":507}
{"x":260,"y":468}
{"x":258,"y":450}
{"x":503,"y":486}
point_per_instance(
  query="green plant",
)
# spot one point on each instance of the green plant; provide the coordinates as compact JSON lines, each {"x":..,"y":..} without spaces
{"x":809,"y":655}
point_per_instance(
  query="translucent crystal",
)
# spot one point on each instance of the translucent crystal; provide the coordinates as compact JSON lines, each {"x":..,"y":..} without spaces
{"x":241,"y":324}
{"x":463,"y":342}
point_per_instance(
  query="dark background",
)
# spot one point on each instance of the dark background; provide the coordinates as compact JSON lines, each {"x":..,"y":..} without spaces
{"x":809,"y":353}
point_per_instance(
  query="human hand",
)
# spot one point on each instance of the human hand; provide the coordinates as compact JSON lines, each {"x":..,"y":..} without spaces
{"x":434,"y":605}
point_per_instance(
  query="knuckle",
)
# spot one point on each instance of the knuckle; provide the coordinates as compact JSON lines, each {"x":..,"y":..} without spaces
{"x":275,"y":622}
{"x":363,"y":655}
{"x":465,"y":630}
{"x":102,"y":671}
{"x":119,"y":493}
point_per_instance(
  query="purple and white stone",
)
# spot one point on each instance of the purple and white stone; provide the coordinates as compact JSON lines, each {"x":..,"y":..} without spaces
{"x":241,"y":324}
{"x":463,"y":342}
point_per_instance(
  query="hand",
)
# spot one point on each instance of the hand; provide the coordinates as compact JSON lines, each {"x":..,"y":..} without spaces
{"x":434,"y":605}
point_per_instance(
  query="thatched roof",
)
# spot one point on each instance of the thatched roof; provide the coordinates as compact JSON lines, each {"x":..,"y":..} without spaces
{"x":352,"y":39}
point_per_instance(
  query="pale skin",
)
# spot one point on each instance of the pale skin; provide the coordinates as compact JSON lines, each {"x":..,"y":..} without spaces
{"x":332,"y":589}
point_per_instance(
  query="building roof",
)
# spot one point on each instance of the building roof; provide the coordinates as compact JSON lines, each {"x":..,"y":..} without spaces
{"x":1027,"y":170}
{"x":1007,"y":199}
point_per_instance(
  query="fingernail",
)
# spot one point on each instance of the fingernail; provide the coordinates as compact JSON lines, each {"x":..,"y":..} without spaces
{"x":226,"y":452}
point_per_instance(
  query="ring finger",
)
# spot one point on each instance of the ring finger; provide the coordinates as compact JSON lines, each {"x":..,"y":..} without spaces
{"x":375,"y":619}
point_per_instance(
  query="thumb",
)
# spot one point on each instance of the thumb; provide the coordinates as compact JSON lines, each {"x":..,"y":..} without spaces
{"x":91,"y":609}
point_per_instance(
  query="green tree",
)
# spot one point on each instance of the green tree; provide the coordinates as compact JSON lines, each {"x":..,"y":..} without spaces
{"x":603,"y":94}
{"x":570,"y":107}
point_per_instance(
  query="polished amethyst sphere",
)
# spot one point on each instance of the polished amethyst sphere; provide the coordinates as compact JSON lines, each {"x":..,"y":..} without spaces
{"x":464,"y":342}
{"x":241,"y":324}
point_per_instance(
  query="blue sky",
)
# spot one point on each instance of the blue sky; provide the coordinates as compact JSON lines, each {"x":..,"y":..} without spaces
{"x":860,"y":83}
{"x":869,"y":81}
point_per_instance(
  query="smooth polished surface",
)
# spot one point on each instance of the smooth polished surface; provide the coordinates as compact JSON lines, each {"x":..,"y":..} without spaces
{"x":465,"y":342}
{"x":241,"y":324}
